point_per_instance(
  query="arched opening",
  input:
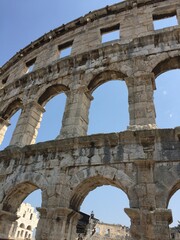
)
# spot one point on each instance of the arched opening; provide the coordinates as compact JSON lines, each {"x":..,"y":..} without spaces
{"x":8,"y":135}
{"x":34,"y":200}
{"x":8,"y":119}
{"x":52,"y":118}
{"x":101,"y":202}
{"x":16,"y":195}
{"x":107,"y":203}
{"x":166,"y":98}
{"x":29,"y":228}
{"x":50,"y":92}
{"x":24,"y":206}
{"x":22,"y":225}
{"x":175,"y":208}
{"x":109,"y":109}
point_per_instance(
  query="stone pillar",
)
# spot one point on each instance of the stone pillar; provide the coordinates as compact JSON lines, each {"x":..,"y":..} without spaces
{"x":145,"y":188}
{"x":6,"y":224}
{"x":3,"y":127}
{"x":57,"y":223}
{"x":75,"y":119}
{"x":141,"y":106}
{"x":150,"y":225}
{"x":147,"y":221}
{"x":178,"y":14}
{"x":29,"y":121}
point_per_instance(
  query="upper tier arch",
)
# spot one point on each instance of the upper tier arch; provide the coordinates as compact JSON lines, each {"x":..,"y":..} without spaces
{"x":169,"y":63}
{"x":11,"y":108}
{"x":104,"y":77}
{"x":50,"y":92}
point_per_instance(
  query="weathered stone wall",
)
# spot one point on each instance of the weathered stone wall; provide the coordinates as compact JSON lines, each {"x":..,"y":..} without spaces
{"x":144,"y":164}
{"x":106,"y":231}
{"x":142,"y":161}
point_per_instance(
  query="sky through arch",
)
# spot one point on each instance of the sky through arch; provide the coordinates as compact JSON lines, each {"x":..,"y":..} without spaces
{"x":113,"y":201}
{"x":109,"y":108}
{"x":167,"y":100}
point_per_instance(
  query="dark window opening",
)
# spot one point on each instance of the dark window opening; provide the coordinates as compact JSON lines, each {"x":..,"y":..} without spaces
{"x":24,"y":215}
{"x":31,"y":216}
{"x":30,"y":65}
{"x":22,"y":225}
{"x":65,"y":49}
{"x":165,"y":20}
{"x":29,"y":228}
{"x":110,"y":34}
{"x":172,"y":235}
{"x":5,"y":80}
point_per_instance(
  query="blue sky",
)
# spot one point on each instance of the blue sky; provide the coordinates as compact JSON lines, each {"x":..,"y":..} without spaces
{"x":21,"y":22}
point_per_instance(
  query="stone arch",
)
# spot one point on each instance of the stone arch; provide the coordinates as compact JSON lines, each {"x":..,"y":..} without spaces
{"x":16,"y":196}
{"x":165,"y":65}
{"x":88,"y":179}
{"x":165,"y":106}
{"x":103,"y":77}
{"x":172,"y":191}
{"x":50,"y":92}
{"x":11,"y":108}
{"x":16,"y":192}
{"x":167,"y":183}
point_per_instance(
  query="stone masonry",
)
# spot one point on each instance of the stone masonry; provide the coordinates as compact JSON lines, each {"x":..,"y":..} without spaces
{"x":106,"y":231}
{"x":143,"y":161}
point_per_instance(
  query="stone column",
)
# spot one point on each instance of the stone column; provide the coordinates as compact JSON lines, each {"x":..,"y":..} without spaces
{"x":3,"y":127}
{"x":178,"y":14}
{"x":145,"y":188}
{"x":147,"y":221}
{"x":141,"y":105}
{"x":57,"y":223}
{"x":6,"y":224}
{"x":29,"y":121}
{"x":149,"y":225}
{"x":75,"y":119}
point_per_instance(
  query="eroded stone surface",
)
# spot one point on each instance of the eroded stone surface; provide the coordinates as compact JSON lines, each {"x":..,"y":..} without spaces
{"x":142,"y":161}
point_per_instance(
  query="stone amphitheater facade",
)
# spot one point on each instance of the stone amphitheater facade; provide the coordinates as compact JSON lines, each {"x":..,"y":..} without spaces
{"x":143,"y":161}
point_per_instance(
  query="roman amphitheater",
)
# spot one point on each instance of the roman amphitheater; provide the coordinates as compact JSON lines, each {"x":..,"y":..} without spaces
{"x":142,"y":161}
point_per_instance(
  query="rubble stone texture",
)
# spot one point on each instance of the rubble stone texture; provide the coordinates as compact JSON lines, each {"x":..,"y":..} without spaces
{"x":143,"y":161}
{"x":106,"y":231}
